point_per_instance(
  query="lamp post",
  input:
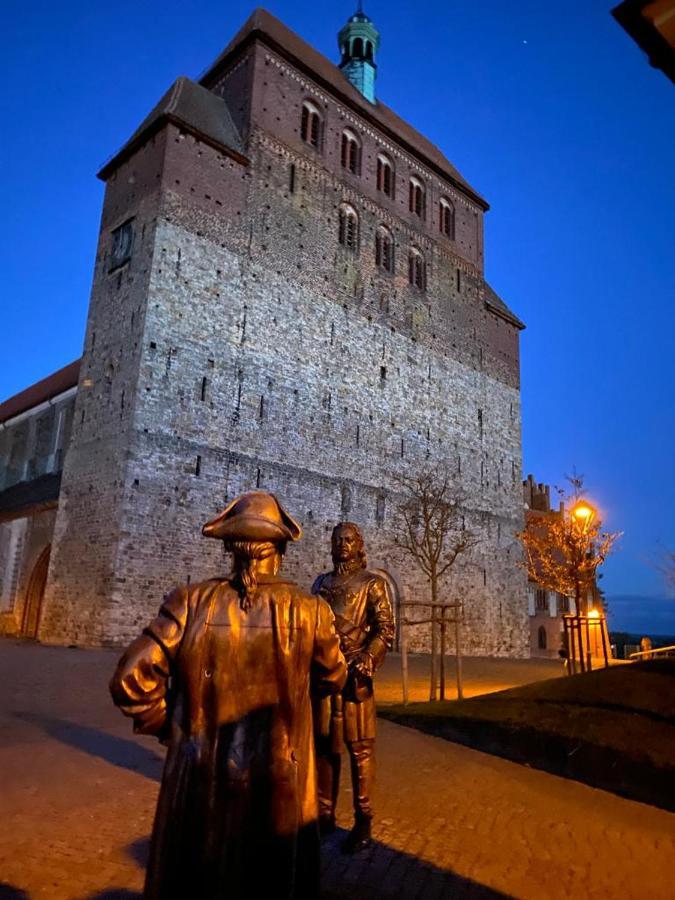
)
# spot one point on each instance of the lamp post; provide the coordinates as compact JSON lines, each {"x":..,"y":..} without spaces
{"x":582,"y":516}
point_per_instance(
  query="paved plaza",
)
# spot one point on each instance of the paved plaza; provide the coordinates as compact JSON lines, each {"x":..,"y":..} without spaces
{"x":78,"y":792}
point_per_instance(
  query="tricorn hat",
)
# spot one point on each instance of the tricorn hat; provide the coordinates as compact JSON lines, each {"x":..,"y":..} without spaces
{"x":256,"y":516}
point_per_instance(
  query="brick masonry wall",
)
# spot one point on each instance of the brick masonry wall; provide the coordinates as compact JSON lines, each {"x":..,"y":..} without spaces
{"x":261,"y":354}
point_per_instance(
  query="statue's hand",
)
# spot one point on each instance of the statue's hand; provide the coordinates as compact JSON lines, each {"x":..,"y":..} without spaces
{"x":364,"y":664}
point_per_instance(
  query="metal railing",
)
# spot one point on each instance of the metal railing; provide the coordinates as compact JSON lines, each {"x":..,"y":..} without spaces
{"x":656,"y":651}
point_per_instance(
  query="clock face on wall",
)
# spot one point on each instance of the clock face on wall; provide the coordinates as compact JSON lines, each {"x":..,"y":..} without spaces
{"x":122,"y":242}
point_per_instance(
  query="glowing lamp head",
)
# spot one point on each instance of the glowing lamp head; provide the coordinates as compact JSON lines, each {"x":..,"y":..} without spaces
{"x":583,"y":514}
{"x":593,"y":613}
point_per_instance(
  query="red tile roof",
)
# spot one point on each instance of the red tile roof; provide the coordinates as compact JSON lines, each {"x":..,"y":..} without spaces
{"x":37,"y":393}
{"x":265,"y":27}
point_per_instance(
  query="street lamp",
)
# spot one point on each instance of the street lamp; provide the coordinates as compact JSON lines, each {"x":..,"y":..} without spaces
{"x":583,"y":515}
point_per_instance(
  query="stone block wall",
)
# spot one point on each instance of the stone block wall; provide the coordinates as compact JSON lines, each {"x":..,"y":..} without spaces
{"x":242,"y":347}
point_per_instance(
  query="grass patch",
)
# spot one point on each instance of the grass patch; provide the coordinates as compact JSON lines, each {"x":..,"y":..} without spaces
{"x":613,"y":728}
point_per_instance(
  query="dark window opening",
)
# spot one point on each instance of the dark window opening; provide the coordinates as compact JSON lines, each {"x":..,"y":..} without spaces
{"x":416,"y":270}
{"x":122,"y":242}
{"x":446,"y":221}
{"x":541,"y":600}
{"x":291,"y":179}
{"x":350,"y":153}
{"x":348,"y":234}
{"x":416,"y":199}
{"x":384,"y":250}
{"x":198,"y":466}
{"x":202,"y":395}
{"x":310,"y":128}
{"x":541,"y":638}
{"x":385,"y":177}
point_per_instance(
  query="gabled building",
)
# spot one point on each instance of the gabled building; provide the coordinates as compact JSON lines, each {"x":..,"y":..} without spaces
{"x":288,"y":294}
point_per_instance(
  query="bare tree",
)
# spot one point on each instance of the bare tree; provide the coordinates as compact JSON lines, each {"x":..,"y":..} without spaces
{"x":434,"y":533}
{"x":564,"y":550}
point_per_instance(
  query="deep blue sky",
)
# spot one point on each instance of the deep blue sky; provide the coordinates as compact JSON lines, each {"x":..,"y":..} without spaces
{"x":549,"y":110}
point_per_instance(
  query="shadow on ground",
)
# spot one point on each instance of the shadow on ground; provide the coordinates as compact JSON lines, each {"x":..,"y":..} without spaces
{"x":122,"y":752}
{"x":377,"y":873}
{"x":9,"y":892}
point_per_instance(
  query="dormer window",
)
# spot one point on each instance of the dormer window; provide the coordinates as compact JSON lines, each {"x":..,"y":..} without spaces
{"x":311,"y":128}
{"x":348,"y":231}
{"x":446,"y":218}
{"x":417,"y":197}
{"x":417,"y":269}
{"x":384,"y":249}
{"x":351,"y":152}
{"x":385,"y":175}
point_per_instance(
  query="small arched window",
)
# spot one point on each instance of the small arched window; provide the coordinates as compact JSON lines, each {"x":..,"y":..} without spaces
{"x":384,"y":249}
{"x":311,"y":127}
{"x":541,"y":638}
{"x":417,"y":197}
{"x":357,"y":48}
{"x":351,"y":152}
{"x":385,"y":175}
{"x":348,"y":231}
{"x":446,"y":218}
{"x":417,"y":270}
{"x":369,"y":50}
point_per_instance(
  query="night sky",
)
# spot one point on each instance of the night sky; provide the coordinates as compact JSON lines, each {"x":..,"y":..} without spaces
{"x":549,"y":110}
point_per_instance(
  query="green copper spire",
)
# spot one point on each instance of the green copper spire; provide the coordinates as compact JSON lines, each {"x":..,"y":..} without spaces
{"x":359,"y":41}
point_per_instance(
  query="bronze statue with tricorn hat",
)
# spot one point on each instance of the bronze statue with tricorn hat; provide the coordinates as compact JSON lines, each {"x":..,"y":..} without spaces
{"x":256,"y":516}
{"x":224,"y":675}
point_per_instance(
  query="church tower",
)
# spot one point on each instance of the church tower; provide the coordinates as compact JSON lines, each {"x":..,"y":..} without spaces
{"x":359,"y":41}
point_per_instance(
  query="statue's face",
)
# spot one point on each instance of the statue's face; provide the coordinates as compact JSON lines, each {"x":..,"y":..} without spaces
{"x":345,"y":544}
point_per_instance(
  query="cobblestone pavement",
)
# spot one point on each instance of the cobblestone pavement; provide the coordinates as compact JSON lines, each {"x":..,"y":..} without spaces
{"x":78,"y":791}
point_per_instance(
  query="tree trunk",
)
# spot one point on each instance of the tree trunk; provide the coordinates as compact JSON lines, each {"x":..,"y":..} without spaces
{"x":434,"y":638}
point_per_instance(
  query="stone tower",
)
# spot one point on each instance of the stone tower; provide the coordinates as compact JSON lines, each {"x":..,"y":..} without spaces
{"x":288,"y":294}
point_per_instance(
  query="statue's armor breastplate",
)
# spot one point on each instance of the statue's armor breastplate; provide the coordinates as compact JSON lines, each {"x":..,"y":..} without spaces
{"x":348,"y":598}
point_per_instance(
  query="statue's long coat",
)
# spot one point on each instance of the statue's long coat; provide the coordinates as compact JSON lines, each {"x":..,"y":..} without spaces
{"x":229,"y":691}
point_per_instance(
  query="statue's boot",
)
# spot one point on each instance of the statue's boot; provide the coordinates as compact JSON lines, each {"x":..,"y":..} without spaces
{"x":359,"y":837}
{"x":328,"y":771}
{"x":363,"y":775}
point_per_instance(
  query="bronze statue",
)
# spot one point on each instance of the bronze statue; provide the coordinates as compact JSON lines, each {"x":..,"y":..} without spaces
{"x":223,"y":675}
{"x":365,"y":622}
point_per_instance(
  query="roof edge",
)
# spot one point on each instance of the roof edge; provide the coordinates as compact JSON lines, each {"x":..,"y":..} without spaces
{"x":153,"y":128}
{"x":41,"y":391}
{"x":505,"y":314}
{"x":259,"y":34}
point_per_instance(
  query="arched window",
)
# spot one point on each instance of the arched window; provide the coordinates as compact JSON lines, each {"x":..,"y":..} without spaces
{"x":384,"y":249}
{"x":446,"y":218}
{"x":312,"y":125}
{"x":357,"y":47}
{"x":417,"y":197}
{"x":541,"y":638}
{"x":351,"y":152}
{"x":417,"y":270}
{"x":369,"y":50}
{"x":348,"y":233}
{"x":385,"y":175}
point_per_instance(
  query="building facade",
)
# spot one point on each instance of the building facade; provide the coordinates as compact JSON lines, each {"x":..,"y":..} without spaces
{"x":288,"y":295}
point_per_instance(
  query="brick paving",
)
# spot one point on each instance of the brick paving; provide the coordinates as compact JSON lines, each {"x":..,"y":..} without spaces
{"x":78,"y":791}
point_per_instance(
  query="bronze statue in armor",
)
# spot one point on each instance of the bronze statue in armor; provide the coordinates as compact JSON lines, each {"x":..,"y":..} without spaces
{"x":224,"y":677}
{"x":364,"y":619}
